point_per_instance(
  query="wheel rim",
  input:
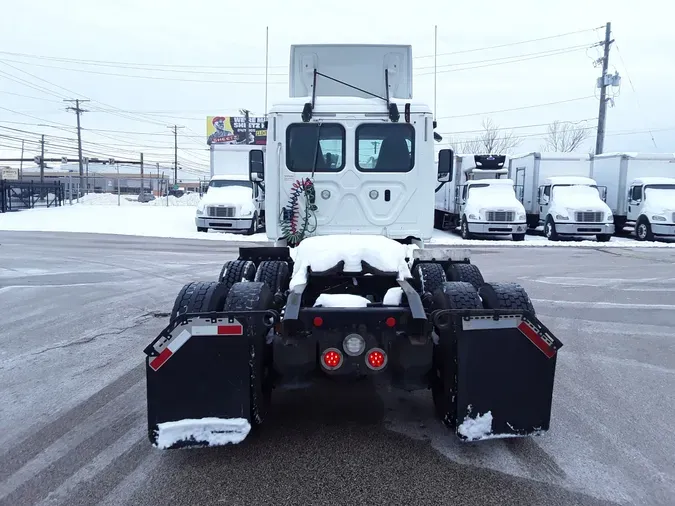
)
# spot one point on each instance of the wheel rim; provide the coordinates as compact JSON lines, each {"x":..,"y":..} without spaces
{"x":642,"y":231}
{"x":465,"y":229}
{"x":548,"y":230}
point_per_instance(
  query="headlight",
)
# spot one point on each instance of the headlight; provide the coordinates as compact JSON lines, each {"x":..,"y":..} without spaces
{"x":609,"y":217}
{"x":200,"y":211}
{"x":246,"y":213}
{"x":521,"y":217}
{"x":561,"y":217}
{"x":656,"y":217}
{"x":473,"y":217}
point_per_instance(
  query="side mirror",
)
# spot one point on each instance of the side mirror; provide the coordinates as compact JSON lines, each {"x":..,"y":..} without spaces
{"x":256,"y":165}
{"x":445,"y":160}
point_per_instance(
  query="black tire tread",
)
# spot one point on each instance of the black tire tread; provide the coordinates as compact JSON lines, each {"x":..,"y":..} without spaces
{"x":429,"y":277}
{"x":199,"y":297}
{"x":275,"y":274}
{"x":235,"y":271}
{"x":469,"y":273}
{"x":505,"y":296}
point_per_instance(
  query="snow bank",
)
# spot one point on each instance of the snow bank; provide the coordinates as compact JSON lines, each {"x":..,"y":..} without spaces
{"x":321,"y":253}
{"x":137,"y":220}
{"x":341,"y":300}
{"x":111,"y":199}
{"x":207,"y":431}
{"x":393,"y":297}
{"x":476,"y":428}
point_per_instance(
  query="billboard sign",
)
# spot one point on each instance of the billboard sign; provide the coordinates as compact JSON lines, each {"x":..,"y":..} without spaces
{"x":232,"y":130}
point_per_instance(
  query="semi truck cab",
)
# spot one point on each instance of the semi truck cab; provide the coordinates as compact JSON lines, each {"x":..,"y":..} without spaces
{"x":651,"y":206}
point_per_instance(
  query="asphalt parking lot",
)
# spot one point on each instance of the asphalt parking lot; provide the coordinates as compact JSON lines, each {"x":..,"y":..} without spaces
{"x":78,"y":309}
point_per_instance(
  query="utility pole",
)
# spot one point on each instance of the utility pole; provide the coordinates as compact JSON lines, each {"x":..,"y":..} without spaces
{"x":42,"y":159}
{"x":142,"y":194}
{"x":78,"y":111}
{"x":175,"y":152}
{"x":603,"y":84}
{"x":21,"y":165}
{"x":246,"y":118}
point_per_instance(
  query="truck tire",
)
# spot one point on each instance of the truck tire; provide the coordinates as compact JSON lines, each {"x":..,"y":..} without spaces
{"x":200,"y":297}
{"x":254,"y":225}
{"x":643,"y":230}
{"x":549,"y":230}
{"x":505,"y":296}
{"x":603,"y":237}
{"x":518,"y":237}
{"x":235,"y":271}
{"x":465,"y":272}
{"x":428,"y":277}
{"x":275,"y":274}
{"x":202,"y":229}
{"x":464,"y":229}
{"x":254,"y":296}
{"x":452,"y":295}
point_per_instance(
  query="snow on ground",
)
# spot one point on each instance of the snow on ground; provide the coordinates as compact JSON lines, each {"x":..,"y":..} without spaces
{"x":134,"y":218}
{"x":99,"y":213}
{"x":207,"y":431}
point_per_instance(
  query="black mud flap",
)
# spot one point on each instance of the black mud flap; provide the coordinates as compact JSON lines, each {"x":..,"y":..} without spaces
{"x":505,"y":372}
{"x":199,"y":380}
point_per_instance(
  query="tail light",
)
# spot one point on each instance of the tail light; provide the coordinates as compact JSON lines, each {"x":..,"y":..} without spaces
{"x":376,"y":359}
{"x":331,"y":359}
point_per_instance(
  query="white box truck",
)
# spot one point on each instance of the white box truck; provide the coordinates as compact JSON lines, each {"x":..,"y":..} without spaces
{"x":232,"y":201}
{"x":478,"y":201}
{"x":640,"y":191}
{"x":559,"y":195}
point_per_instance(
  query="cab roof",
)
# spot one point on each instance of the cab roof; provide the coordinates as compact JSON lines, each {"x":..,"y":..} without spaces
{"x":653,"y":180}
{"x":569,"y":180}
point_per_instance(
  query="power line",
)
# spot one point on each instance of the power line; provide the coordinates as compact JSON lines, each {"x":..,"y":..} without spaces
{"x":517,"y":108}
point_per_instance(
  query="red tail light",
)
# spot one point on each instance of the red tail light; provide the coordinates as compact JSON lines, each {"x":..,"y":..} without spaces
{"x":318,"y":321}
{"x":390,"y":322}
{"x":331,"y":359}
{"x":376,"y":359}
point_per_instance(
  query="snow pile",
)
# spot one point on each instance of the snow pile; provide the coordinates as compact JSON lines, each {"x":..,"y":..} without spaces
{"x":321,"y":253}
{"x":238,"y":196}
{"x":393,"y":297}
{"x":107,"y":199}
{"x":206,"y":431}
{"x":476,"y":428}
{"x":341,"y":300}
{"x":189,"y":199}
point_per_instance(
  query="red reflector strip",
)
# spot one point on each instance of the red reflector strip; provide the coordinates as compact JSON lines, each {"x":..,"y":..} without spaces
{"x":159,"y":360}
{"x":233,"y":329}
{"x":536,"y":339}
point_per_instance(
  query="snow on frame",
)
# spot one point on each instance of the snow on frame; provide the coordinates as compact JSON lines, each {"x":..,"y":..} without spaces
{"x":321,"y":253}
{"x":207,"y":431}
{"x":393,"y":296}
{"x":343,"y":300}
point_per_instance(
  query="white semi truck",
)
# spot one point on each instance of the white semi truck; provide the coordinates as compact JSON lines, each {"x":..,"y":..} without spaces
{"x":343,"y":295}
{"x":640,"y":191}
{"x":232,"y":200}
{"x":559,"y":195}
{"x":478,"y":201}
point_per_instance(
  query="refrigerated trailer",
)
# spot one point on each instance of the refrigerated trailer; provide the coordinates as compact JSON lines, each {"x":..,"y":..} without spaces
{"x":640,"y":191}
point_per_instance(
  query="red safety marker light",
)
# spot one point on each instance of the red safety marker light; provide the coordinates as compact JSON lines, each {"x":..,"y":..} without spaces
{"x":376,"y":359}
{"x":391,"y":321}
{"x":318,"y":321}
{"x":331,"y":358}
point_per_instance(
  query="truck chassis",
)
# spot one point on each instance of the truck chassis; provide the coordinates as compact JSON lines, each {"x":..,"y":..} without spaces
{"x":477,"y":346}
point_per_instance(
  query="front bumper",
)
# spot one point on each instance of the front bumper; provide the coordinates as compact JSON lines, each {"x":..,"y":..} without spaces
{"x":223,"y":223}
{"x":496,"y":228}
{"x":584,"y":228}
{"x":663,"y":229}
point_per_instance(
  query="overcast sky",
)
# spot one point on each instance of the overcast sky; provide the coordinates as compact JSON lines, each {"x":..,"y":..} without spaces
{"x":153,"y":64}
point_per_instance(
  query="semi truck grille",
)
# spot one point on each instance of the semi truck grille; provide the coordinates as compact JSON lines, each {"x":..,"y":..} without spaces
{"x":221,"y":212}
{"x":589,"y":217}
{"x":500,"y":215}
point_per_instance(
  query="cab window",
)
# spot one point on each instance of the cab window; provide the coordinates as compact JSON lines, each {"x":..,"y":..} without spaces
{"x":310,"y":147}
{"x":385,"y":147}
{"x":637,"y":193}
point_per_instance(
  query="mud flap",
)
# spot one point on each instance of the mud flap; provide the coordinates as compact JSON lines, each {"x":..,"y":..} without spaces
{"x":199,"y":381}
{"x":505,"y":373}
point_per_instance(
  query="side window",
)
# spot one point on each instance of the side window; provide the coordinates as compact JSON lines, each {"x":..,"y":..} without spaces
{"x":637,"y":193}
{"x":464,"y":192}
{"x":313,"y":147}
{"x":547,"y":191}
{"x":385,"y":147}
